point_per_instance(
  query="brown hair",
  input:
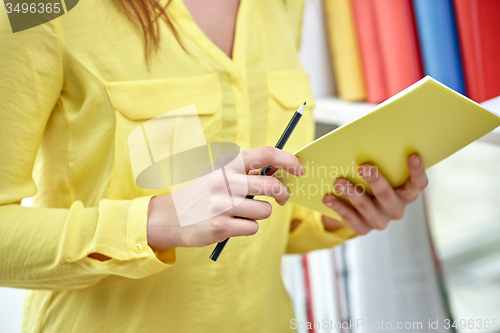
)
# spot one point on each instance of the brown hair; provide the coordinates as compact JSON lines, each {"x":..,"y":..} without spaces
{"x":147,"y":13}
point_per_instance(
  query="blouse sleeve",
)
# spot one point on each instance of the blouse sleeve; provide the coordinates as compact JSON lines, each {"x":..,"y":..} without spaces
{"x":311,"y":235}
{"x":48,"y":248}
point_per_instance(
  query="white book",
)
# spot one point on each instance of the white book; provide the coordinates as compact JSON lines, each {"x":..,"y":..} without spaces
{"x":314,"y":51}
{"x":392,"y":278}
{"x":324,"y":295}
{"x":292,"y":273}
{"x":341,"y":285}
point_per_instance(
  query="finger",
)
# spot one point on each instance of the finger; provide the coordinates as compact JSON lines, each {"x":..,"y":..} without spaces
{"x":352,"y":218}
{"x":331,"y":224}
{"x":268,"y":186}
{"x":254,"y":172}
{"x":252,"y":209}
{"x":234,"y":227}
{"x":417,"y":182}
{"x":363,"y":203}
{"x":261,"y":157}
{"x":270,"y":172}
{"x":386,"y":196}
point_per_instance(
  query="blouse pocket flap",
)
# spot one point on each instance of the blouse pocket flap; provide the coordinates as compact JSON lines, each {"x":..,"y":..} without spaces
{"x":147,"y":99}
{"x":290,"y":88}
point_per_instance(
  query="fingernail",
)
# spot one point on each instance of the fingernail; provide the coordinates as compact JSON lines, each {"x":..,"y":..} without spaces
{"x":340,"y":188}
{"x":361,"y":172}
{"x":415,"y":161}
{"x":367,"y":172}
{"x":302,"y":170}
{"x":329,"y":201}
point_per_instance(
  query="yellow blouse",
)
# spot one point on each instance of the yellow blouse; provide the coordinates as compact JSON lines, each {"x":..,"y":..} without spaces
{"x":71,"y":92}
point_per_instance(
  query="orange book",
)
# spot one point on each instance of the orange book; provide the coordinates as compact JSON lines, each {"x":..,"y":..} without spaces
{"x":398,"y":41}
{"x":479,"y":31}
{"x":371,"y":56}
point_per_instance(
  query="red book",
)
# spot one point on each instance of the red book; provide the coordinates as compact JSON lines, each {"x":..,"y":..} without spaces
{"x":307,"y":283}
{"x":398,"y":42}
{"x":371,"y":56}
{"x":478,"y":24}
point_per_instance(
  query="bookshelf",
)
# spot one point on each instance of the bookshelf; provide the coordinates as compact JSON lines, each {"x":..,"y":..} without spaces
{"x":334,"y":111}
{"x":461,"y":224}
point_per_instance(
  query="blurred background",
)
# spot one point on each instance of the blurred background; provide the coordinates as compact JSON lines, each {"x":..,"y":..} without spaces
{"x":442,"y":261}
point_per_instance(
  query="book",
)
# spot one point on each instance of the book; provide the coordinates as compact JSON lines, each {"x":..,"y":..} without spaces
{"x":341,"y":285}
{"x":308,"y":289}
{"x":344,"y":50}
{"x":314,"y":51}
{"x":427,"y":118}
{"x":392,"y":277}
{"x":371,"y":54}
{"x":292,"y":272}
{"x":478,"y":26}
{"x":323,"y":282}
{"x":438,"y":37}
{"x":397,"y":36}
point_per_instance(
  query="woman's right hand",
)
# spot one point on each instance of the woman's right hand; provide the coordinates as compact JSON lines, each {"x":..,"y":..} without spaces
{"x":165,"y":231}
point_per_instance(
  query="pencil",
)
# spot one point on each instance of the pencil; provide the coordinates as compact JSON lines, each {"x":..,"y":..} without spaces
{"x":265,"y":171}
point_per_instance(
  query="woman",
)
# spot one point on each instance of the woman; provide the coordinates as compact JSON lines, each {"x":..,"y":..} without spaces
{"x":100,"y":254}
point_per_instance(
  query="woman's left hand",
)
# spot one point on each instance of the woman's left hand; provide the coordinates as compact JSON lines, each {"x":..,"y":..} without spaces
{"x":363,"y":212}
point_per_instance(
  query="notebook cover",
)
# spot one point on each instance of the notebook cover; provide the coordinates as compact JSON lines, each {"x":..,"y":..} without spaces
{"x":427,"y":118}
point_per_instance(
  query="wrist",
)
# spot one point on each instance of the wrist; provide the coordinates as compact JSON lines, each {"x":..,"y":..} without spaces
{"x":163,"y":228}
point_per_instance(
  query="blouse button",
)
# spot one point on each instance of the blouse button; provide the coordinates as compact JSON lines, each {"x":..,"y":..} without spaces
{"x":138,"y":248}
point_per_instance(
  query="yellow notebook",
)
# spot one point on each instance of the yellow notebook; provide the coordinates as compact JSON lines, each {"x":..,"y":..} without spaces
{"x":345,"y":50}
{"x":427,"y":118}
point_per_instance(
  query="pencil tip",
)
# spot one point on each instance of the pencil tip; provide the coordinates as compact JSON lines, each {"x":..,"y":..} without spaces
{"x":304,"y":103}
{"x":301,"y":109}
